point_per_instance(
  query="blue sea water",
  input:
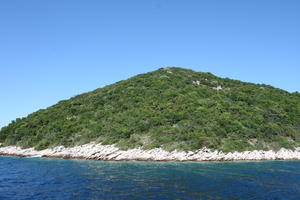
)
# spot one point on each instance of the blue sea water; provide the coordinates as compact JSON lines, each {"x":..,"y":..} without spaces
{"x":41,"y":178}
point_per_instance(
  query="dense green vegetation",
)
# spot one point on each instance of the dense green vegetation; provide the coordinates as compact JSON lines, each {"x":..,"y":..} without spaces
{"x":172,"y":108}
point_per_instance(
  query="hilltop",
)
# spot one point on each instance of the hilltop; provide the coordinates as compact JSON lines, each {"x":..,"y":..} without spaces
{"x":172,"y":108}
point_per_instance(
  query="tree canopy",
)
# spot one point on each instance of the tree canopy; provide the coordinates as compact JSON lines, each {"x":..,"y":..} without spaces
{"x":172,"y":108}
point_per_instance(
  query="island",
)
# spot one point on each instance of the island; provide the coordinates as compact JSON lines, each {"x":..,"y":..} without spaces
{"x":171,"y":114}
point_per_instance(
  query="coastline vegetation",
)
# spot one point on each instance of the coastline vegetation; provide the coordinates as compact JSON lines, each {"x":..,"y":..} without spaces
{"x":172,"y":108}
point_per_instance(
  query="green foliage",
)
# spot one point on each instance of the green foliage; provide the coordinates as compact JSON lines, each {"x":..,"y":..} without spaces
{"x":172,"y":108}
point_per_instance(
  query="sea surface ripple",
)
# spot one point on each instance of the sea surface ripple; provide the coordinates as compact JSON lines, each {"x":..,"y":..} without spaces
{"x":41,"y":178}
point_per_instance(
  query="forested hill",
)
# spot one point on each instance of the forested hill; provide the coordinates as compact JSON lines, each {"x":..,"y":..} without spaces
{"x":173,"y":108}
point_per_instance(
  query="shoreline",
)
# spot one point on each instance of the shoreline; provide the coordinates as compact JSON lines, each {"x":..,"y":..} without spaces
{"x":93,"y":151}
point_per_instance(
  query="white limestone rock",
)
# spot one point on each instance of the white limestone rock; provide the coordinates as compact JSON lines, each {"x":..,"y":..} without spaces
{"x":110,"y":152}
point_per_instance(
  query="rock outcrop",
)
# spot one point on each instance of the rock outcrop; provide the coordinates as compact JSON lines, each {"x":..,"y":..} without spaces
{"x":110,"y":152}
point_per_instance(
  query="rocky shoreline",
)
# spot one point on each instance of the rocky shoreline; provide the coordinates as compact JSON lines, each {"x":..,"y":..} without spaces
{"x":93,"y":151}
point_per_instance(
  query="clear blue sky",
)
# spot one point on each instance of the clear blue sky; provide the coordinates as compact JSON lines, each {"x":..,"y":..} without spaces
{"x":54,"y":49}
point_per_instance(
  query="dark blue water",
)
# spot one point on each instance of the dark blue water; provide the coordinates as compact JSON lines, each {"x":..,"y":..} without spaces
{"x":37,"y":178}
